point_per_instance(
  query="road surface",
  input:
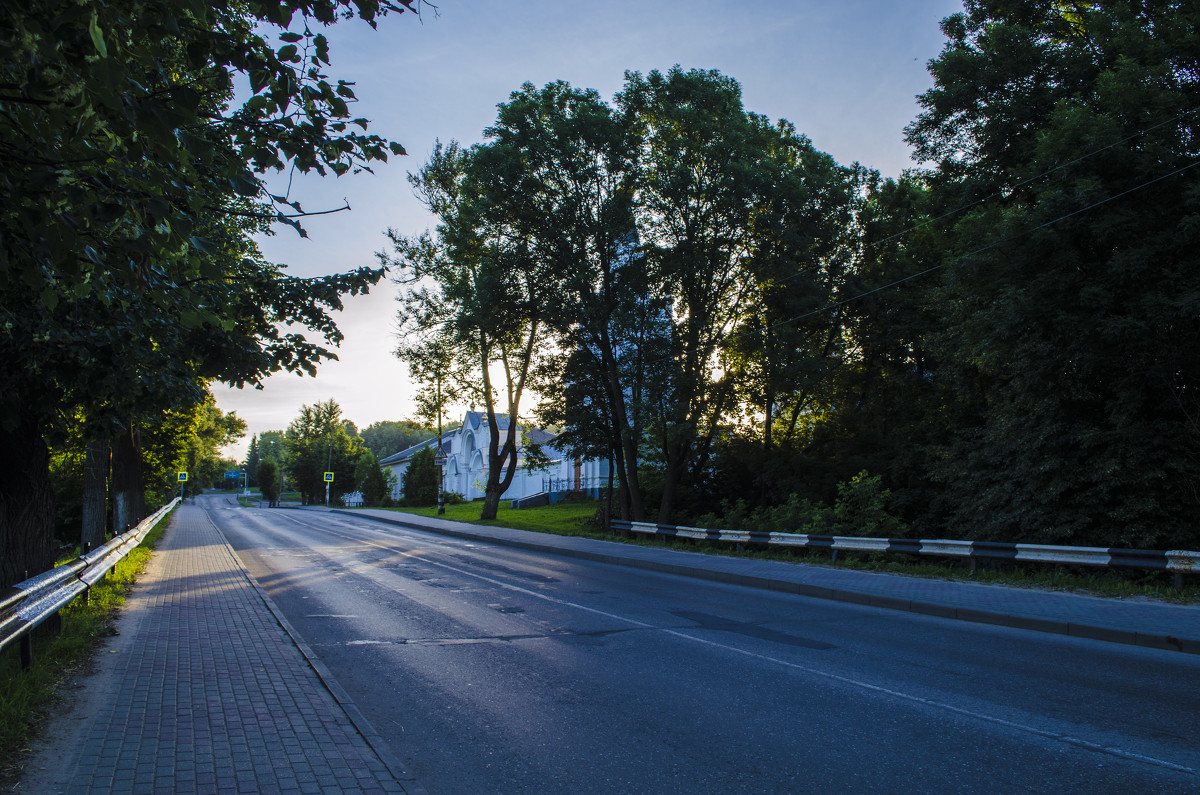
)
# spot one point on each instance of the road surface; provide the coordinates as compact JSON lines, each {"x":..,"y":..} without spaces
{"x":489,"y":669}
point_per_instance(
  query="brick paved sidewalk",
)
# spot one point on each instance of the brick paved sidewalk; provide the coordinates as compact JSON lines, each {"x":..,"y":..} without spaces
{"x":1136,"y":622}
{"x":205,"y":692}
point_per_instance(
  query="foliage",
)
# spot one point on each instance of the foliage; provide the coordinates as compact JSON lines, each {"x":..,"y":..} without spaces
{"x":420,"y":480}
{"x":253,"y":456}
{"x":318,"y":441}
{"x":741,"y":324}
{"x":187,"y":440}
{"x":1069,"y":296}
{"x":133,"y":185}
{"x":861,"y":509}
{"x":388,"y":437}
{"x":477,"y":301}
{"x":268,"y":482}
{"x":371,"y":480}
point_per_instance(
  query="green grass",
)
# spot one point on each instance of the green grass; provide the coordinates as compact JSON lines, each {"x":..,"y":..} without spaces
{"x":571,"y":519}
{"x":26,"y":695}
{"x":564,"y":518}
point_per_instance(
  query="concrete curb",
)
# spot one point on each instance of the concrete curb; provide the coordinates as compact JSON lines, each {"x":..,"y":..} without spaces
{"x":1037,"y":624}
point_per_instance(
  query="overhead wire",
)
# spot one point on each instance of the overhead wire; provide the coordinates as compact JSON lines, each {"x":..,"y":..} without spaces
{"x":990,"y":245}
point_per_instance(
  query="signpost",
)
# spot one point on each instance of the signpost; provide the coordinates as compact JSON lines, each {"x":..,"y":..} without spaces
{"x":328,"y":481}
{"x":440,"y":461}
{"x":182,"y":480}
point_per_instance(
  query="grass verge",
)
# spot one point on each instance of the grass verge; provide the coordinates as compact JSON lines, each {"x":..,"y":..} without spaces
{"x":572,"y":519}
{"x":26,"y":695}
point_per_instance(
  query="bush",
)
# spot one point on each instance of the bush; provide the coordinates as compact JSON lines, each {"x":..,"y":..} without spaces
{"x":421,"y":479}
{"x":861,"y":509}
{"x":372,"y":481}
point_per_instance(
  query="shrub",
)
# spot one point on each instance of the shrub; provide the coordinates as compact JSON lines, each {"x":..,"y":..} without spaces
{"x":861,"y":509}
{"x":421,"y":479}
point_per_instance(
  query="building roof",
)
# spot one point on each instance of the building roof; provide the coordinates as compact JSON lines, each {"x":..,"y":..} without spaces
{"x":404,"y":455}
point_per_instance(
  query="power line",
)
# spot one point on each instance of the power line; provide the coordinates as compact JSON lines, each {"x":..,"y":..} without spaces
{"x":991,"y":245}
{"x":1022,"y":183}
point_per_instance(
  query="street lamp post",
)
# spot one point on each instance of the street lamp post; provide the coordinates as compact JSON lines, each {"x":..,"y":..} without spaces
{"x":440,"y":458}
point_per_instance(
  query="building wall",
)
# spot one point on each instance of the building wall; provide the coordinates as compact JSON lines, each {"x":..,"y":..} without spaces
{"x":465,"y":471}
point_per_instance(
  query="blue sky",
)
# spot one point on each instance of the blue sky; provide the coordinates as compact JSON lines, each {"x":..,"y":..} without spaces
{"x":845,"y":72}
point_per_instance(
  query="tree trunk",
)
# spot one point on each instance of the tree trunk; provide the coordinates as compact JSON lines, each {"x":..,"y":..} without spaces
{"x":628,"y":472}
{"x":128,"y":500}
{"x":95,"y":494}
{"x":26,"y":503}
{"x":491,"y":504}
{"x":671,"y":478}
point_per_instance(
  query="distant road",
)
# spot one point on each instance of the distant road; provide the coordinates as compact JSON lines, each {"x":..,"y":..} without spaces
{"x":489,"y":669}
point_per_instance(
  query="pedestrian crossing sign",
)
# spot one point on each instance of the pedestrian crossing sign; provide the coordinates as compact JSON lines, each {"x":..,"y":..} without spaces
{"x":328,"y":477}
{"x":182,"y":477}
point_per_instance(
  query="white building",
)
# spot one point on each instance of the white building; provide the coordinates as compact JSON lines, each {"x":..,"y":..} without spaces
{"x":465,"y":471}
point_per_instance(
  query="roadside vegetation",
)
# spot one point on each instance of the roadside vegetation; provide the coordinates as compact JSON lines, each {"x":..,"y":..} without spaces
{"x":585,"y":518}
{"x":1003,"y":336}
{"x":27,"y":695}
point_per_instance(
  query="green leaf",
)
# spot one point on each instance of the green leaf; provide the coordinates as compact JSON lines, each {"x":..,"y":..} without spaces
{"x":97,"y":36}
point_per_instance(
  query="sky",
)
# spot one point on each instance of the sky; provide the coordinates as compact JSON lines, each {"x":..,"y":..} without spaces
{"x":846,"y":73}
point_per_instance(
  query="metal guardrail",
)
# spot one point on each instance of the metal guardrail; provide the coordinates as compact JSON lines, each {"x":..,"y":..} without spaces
{"x":592,"y":484}
{"x":1178,"y":561}
{"x":27,"y":604}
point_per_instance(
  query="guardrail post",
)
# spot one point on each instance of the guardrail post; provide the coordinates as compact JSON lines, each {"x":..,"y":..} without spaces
{"x":1179,"y":581}
{"x":833,"y":556}
{"x":87,"y":592}
{"x":972,"y":558}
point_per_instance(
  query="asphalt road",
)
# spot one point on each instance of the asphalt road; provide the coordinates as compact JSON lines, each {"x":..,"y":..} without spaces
{"x":489,"y":669}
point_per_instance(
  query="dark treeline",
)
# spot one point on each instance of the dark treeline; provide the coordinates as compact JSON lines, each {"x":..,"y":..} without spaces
{"x":1000,"y":345}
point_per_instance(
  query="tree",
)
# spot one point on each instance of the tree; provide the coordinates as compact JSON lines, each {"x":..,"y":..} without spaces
{"x":317,"y":441}
{"x":1069,"y":295}
{"x":273,"y":445}
{"x":253,"y":456}
{"x":387,"y":437}
{"x":371,"y":480}
{"x":420,"y":481}
{"x":562,"y":169}
{"x":133,"y":188}
{"x":478,"y":308}
{"x":785,"y":351}
{"x":209,"y":431}
{"x":699,"y":183}
{"x":268,"y":473}
{"x":183,"y":440}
